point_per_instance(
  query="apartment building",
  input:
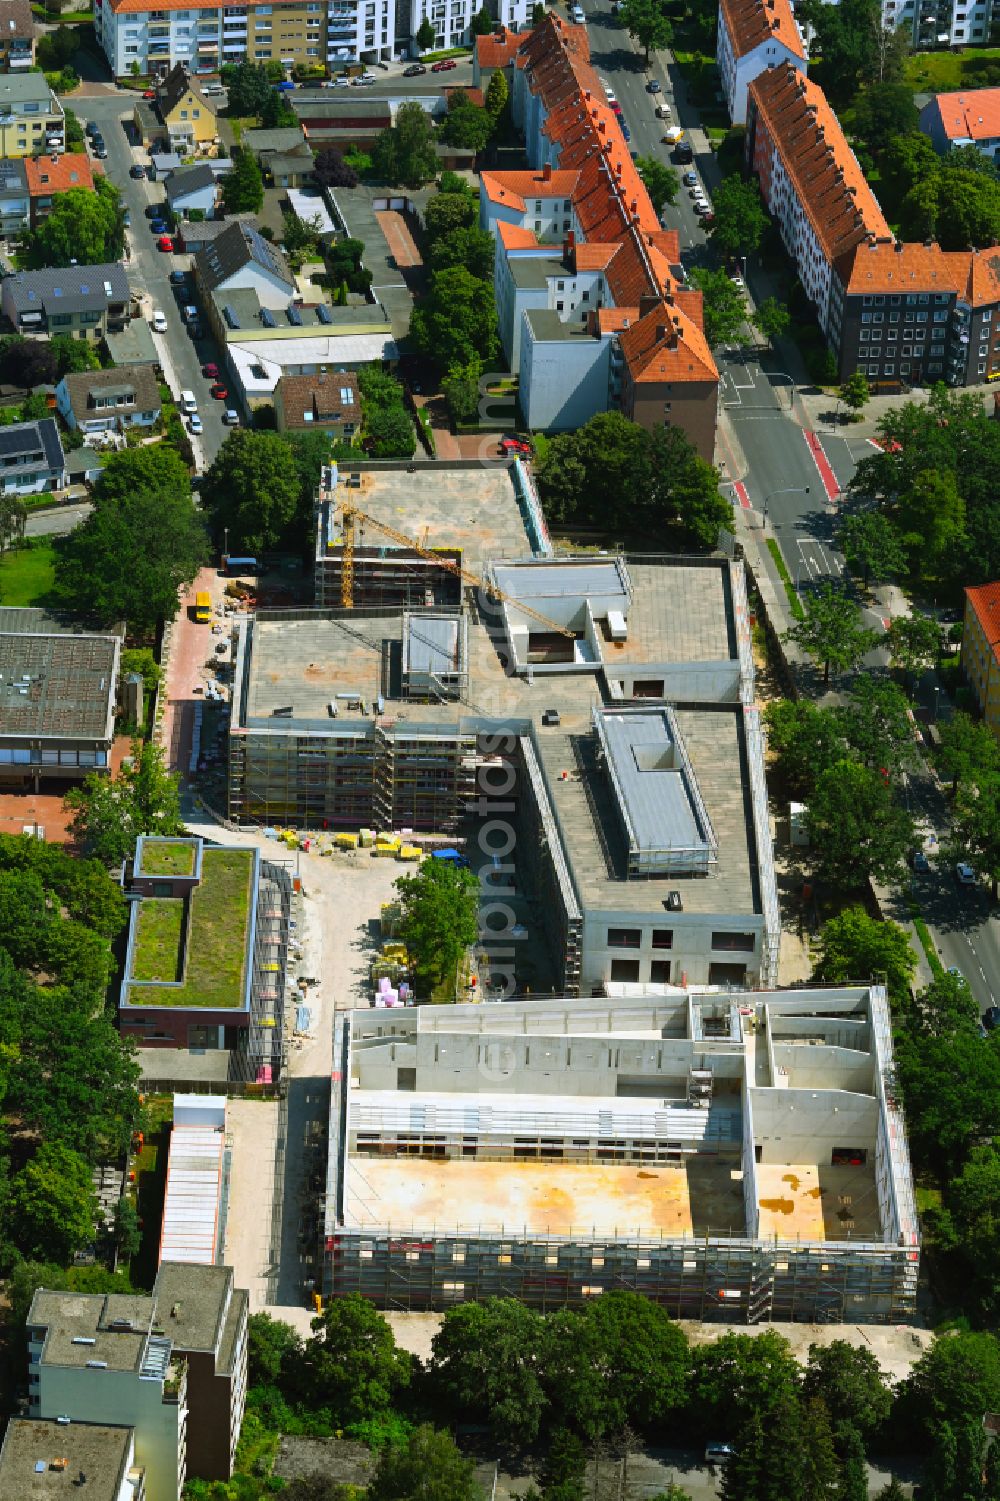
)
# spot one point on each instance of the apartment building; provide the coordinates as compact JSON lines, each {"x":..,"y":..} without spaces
{"x":49,"y":175}
{"x":593,"y":313}
{"x":981,"y":650}
{"x":941,"y":23}
{"x":754,"y":35}
{"x":971,"y":118}
{"x":17,"y":36}
{"x":15,"y":204}
{"x":31,"y":118}
{"x":85,"y":302}
{"x":40,"y":1461}
{"x":170,"y":1366}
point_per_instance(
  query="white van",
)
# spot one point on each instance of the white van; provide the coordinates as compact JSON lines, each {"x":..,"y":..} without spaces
{"x":576,"y":15}
{"x":188,"y":404}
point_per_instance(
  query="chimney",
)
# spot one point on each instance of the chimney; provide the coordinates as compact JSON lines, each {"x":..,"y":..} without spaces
{"x":634,"y":205}
{"x":547,"y":172}
{"x":569,"y":245}
{"x":663,"y":331}
{"x":648,"y":304}
{"x":898,"y":247}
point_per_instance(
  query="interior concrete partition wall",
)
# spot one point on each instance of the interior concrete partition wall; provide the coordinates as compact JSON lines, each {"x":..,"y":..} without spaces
{"x":825,"y":1068}
{"x":802,"y":1125}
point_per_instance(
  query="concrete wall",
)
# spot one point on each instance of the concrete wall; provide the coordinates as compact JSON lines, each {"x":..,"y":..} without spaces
{"x":691,"y":955}
{"x":802,"y":1125}
{"x":106,"y":1396}
{"x":563,"y":381}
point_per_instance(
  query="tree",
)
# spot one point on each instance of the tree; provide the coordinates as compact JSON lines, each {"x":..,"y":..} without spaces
{"x":109,"y":813}
{"x":389,"y":433}
{"x":497,"y":94}
{"x":955,"y":1381}
{"x":740,"y":221}
{"x":661,"y":182}
{"x":832,"y":632}
{"x":914,"y":643}
{"x":930,"y":518}
{"x":467,"y":126}
{"x":351,"y":1364}
{"x":472,"y":248}
{"x":126,"y":1232}
{"x":485,"y":1364}
{"x":461,"y":390}
{"x":156,"y":470}
{"x":855,"y":949}
{"x":883,"y":111}
{"x":951,"y":1089}
{"x":852,"y":1384}
{"x":768,"y":1460}
{"x":820,"y":1469}
{"x":84,"y":225}
{"x":725,"y":309}
{"x":130,"y":558}
{"x":597,"y":474}
{"x":641,"y":1358}
{"x":57,"y":49}
{"x":856,"y":828}
{"x":13,"y":515}
{"x":852,"y":1483}
{"x":648,"y":23}
{"x":806,"y":741}
{"x":27,"y":362}
{"x":243,"y":185}
{"x":273,"y":1347}
{"x":772,"y":318}
{"x":876,"y":725}
{"x":737,"y":1377}
{"x":331,"y":171}
{"x":854,"y":393}
{"x":945,"y":1008}
{"x":456,"y":320}
{"x":967,"y":1229}
{"x":249,"y":89}
{"x":975,"y":831}
{"x":447,"y":212}
{"x":52,"y":1205}
{"x":684,"y":492}
{"x":276,"y":112}
{"x":252,"y":490}
{"x":404,"y":152}
{"x":440,"y":905}
{"x":426,"y":34}
{"x":538,"y":13}
{"x":967,"y":751}
{"x":482,"y":23}
{"x":871,"y":546}
{"x":73,"y":355}
{"x":428,"y":1467}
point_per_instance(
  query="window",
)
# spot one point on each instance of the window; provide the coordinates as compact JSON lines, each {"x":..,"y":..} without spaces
{"x":890,"y":369}
{"x":625,"y":970}
{"x":732,"y":943}
{"x":659,"y":972}
{"x":624,"y":938}
{"x":663,"y":938}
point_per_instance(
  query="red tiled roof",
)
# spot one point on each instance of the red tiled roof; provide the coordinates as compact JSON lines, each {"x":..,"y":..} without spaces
{"x":749,"y":23}
{"x":973,"y":115}
{"x":666,"y":344}
{"x":984,"y":601}
{"x":516,"y":237}
{"x":498,"y":50}
{"x":47,"y":175}
{"x":899,"y":267}
{"x":828,"y":181}
{"x":984,"y":277}
{"x":512,"y":188}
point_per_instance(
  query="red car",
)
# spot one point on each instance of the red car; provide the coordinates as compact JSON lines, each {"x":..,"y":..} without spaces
{"x":516,"y":445}
{"x":219,"y":391}
{"x":212,"y":371}
{"x":445,"y":66}
{"x":149,"y":93}
{"x":164,"y":243}
{"x":616,"y":109}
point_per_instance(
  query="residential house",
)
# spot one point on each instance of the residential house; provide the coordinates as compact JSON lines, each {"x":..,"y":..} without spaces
{"x":328,"y":402}
{"x":170,"y":1366}
{"x":288,"y":169}
{"x":492,"y":53}
{"x":193,"y":190}
{"x":17,"y":36}
{"x":31,"y":117}
{"x":102,"y":401}
{"x":133,"y":346}
{"x":754,"y":35}
{"x":242,"y":260}
{"x":40,"y":1460}
{"x":970,"y":118}
{"x":195,"y":235}
{"x":187,"y":112}
{"x":15,"y":205}
{"x":31,"y":457}
{"x":49,"y":175}
{"x":581,"y":259}
{"x":84,"y":301}
{"x":981,"y":650}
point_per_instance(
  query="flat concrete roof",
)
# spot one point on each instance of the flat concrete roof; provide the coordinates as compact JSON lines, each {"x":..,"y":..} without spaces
{"x":41,"y":1460}
{"x":54,"y":685}
{"x":191,"y":1303}
{"x":658,"y":802}
{"x":804,"y":1201}
{"x":79,"y":1328}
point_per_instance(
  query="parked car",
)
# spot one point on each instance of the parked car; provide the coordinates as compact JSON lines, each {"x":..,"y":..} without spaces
{"x":921,"y":864}
{"x":158,"y":226}
{"x":195,"y":423}
{"x":137,"y":172}
{"x":178,"y":278}
{"x":231,"y":417}
{"x":90,"y":128}
{"x":211,"y":371}
{"x":444,"y":66}
{"x":219,"y":391}
{"x":690,"y":179}
{"x":149,"y":93}
{"x":159,"y":321}
{"x":707,"y":219}
{"x":626,"y":132}
{"x":991,"y":1018}
{"x":683,"y":153}
{"x":189,"y":313}
{"x":964,"y":874}
{"x":414,"y":70}
{"x":341,"y":82}
{"x":285,"y":86}
{"x":652,"y":86}
{"x":194,"y":329}
{"x":165,"y":243}
{"x":188,"y":404}
{"x":616,"y":108}
{"x":101,"y":151}
{"x":717,"y":1454}
{"x":516,"y":445}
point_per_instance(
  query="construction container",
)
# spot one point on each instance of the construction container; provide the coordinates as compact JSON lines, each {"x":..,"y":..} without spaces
{"x":409,"y":852}
{"x":346,"y":841}
{"x":385,"y":851}
{"x":396,"y":951}
{"x":367,"y":838}
{"x":392,"y":839}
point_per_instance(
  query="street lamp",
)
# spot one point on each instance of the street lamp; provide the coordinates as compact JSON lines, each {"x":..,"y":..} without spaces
{"x":787,"y":490}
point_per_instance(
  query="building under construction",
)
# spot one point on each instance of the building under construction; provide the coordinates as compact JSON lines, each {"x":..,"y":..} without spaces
{"x":601,"y":707}
{"x":734,"y":1157}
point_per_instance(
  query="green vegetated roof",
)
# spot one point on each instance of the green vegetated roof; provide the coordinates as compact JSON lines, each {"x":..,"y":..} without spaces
{"x":158,"y":934}
{"x":218,"y":923}
{"x":168,"y":857}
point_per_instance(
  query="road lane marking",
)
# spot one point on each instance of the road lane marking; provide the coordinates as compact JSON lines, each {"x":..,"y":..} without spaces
{"x":741,"y":494}
{"x":823,"y":466}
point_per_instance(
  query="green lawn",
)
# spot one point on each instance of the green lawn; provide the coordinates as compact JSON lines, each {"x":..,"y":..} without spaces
{"x":28,"y":574}
{"x":934,"y":72}
{"x":168,"y":857}
{"x":158,"y":933}
{"x":216,"y":949}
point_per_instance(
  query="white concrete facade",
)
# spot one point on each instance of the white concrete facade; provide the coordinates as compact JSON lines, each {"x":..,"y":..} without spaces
{"x":563,"y":380}
{"x":452,"y":19}
{"x":940,"y":23}
{"x":738,"y":73}
{"x":783,"y":204}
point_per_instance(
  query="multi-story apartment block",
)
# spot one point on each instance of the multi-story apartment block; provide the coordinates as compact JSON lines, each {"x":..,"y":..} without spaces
{"x":84,"y":301}
{"x":592,"y":307}
{"x":15,"y":203}
{"x":31,"y":117}
{"x":981,"y":650}
{"x":971,"y":118}
{"x":754,"y":35}
{"x":17,"y":36}
{"x":171,"y":1367}
{"x":941,"y":23}
{"x":41,"y":1461}
{"x":49,"y":175}
{"x":452,"y":19}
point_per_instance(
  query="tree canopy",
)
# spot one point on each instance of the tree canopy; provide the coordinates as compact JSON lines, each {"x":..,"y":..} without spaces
{"x":832,"y":632}
{"x":109,"y":813}
{"x":661,"y":182}
{"x":855,"y":949}
{"x":647,"y":21}
{"x":440,"y":905}
{"x":725,"y":308}
{"x":856,"y":827}
{"x":404,"y":152}
{"x":740,"y":221}
{"x":84,"y":225}
{"x":243,"y":185}
{"x":252,"y":490}
{"x":456,"y":320}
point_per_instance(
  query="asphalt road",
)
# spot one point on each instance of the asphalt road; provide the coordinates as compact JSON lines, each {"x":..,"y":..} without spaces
{"x":149,"y":271}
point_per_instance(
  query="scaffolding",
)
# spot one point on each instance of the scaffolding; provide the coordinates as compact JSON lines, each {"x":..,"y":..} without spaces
{"x":259,"y":1055}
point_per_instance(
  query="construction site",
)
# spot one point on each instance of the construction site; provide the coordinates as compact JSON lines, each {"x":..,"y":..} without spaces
{"x":610,"y":697}
{"x":736,"y":1157}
